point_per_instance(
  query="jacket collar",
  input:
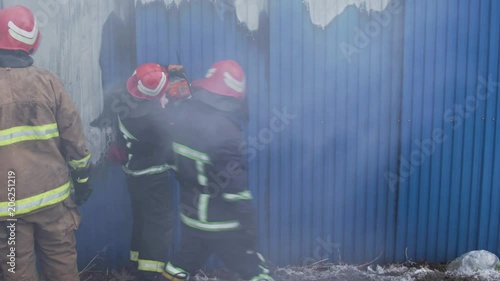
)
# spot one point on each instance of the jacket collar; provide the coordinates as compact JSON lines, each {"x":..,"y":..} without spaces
{"x":233,"y":109}
{"x":15,"y":59}
{"x":219,"y":102}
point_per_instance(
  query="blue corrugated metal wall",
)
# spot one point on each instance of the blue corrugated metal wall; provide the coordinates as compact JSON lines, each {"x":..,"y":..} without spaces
{"x":450,"y":191}
{"x":326,"y":178}
{"x":366,"y":92}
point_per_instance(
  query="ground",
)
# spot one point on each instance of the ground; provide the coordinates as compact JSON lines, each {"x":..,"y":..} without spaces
{"x":328,"y":272}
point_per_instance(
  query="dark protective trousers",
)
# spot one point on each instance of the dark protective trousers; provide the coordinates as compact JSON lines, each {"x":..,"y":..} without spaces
{"x":236,"y":250}
{"x":152,"y":219}
{"x":50,"y":233}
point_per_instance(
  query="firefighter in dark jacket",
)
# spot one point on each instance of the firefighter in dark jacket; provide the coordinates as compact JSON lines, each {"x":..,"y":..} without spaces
{"x":145,"y":137}
{"x":41,"y":145}
{"x":216,"y":205}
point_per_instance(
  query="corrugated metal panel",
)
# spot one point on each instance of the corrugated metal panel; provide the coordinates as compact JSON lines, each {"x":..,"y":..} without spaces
{"x":327,"y":168}
{"x":319,"y":181}
{"x":338,"y":181}
{"x":449,"y":192}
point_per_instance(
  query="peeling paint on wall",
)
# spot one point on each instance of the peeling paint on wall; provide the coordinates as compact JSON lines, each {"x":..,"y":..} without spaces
{"x":167,"y":2}
{"x":323,"y":12}
{"x":247,"y":11}
{"x":70,"y":47}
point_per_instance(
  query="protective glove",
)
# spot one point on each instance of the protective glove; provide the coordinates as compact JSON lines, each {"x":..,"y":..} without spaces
{"x":83,"y":190}
{"x":82,"y":193}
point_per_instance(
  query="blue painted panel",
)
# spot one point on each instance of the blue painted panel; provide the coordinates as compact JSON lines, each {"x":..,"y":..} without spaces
{"x":378,"y":159}
{"x":450,"y":58}
{"x":343,"y":113}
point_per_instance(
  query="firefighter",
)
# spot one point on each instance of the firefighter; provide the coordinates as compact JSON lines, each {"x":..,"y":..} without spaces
{"x":147,"y":156}
{"x":41,"y":145}
{"x":216,"y":205}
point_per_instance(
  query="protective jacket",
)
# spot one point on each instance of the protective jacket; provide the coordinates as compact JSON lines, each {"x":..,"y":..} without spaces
{"x":210,"y":166}
{"x":41,"y":137}
{"x":145,"y":134}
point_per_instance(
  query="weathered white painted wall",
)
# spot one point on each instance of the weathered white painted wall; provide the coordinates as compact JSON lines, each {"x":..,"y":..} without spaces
{"x":70,"y":47}
{"x":247,"y":11}
{"x":323,"y":12}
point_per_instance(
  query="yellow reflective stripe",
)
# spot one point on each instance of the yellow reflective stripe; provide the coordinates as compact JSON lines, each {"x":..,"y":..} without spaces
{"x":79,"y":164}
{"x":262,"y":277}
{"x":244,"y":195}
{"x":210,"y":226}
{"x":82,"y":180}
{"x":124,"y":130}
{"x":203,"y":207}
{"x":149,"y":265}
{"x":134,"y":256}
{"x":174,"y":271}
{"x":148,"y":171}
{"x":191,"y":153}
{"x":26,"y":205}
{"x":26,"y":133}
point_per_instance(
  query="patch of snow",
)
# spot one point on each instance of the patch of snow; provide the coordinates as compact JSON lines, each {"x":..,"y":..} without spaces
{"x":473,"y":261}
{"x":323,"y":12}
{"x":373,"y":273}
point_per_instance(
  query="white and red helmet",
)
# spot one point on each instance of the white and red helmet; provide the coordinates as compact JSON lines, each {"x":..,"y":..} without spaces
{"x":19,"y":30}
{"x":148,"y":82}
{"x":225,"y":78}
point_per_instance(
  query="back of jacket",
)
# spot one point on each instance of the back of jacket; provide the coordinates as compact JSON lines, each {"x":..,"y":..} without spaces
{"x":144,"y":131}
{"x":40,"y":136}
{"x":210,"y":168}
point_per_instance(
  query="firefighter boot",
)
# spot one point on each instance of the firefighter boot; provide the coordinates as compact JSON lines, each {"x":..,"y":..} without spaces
{"x":181,"y":276}
{"x":262,"y":277}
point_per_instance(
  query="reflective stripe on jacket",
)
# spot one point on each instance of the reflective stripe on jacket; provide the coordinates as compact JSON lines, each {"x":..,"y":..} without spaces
{"x":144,"y":131}
{"x":41,"y":140}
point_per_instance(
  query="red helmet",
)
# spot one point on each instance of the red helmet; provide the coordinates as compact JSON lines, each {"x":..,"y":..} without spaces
{"x":224,"y":78}
{"x":148,"y":82}
{"x":19,"y":30}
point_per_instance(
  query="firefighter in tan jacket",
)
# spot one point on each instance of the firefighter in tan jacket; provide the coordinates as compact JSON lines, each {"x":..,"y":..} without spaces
{"x":42,"y":156}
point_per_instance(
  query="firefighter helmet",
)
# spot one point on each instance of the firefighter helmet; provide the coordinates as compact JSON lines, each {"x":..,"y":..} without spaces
{"x":148,"y":82}
{"x":224,"y":78}
{"x":19,"y":30}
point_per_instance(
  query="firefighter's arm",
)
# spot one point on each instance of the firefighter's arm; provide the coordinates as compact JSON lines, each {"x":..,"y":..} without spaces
{"x":117,"y":151}
{"x":73,"y":146}
{"x":235,"y":190}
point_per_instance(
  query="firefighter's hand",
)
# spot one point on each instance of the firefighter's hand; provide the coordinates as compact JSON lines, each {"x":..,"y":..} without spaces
{"x":82,"y":192}
{"x":81,"y":183}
